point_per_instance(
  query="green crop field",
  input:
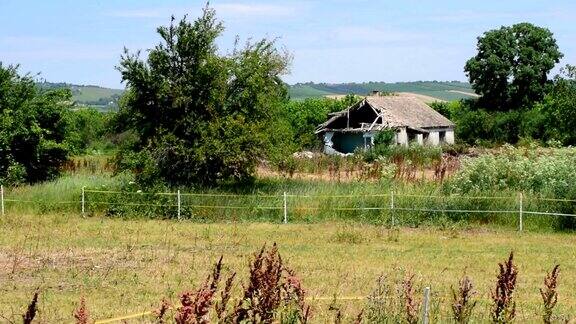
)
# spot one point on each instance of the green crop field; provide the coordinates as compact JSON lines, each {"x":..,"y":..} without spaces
{"x":93,"y":93}
{"x":441,"y":90}
{"x":102,"y":97}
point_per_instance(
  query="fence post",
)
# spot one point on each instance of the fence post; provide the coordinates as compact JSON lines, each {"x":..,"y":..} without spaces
{"x":285,"y":209}
{"x":83,"y":202}
{"x":521,"y":225}
{"x":2,"y":198}
{"x":426,"y":306}
{"x":179,"y":205}
{"x":392,"y":206}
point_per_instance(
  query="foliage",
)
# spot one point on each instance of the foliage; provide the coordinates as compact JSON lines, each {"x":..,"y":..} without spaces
{"x":550,"y":294}
{"x":273,"y":294}
{"x":195,"y":308}
{"x":411,"y":305}
{"x":547,"y":172}
{"x":304,"y":116}
{"x":504,"y":307}
{"x":511,"y":67}
{"x":558,"y":109}
{"x":200,"y":117}
{"x":462,"y":303}
{"x":451,"y":108}
{"x":417,"y":155}
{"x":385,"y":137}
{"x":88,"y":130}
{"x":34,"y":129}
{"x":481,"y":126}
{"x":384,"y":304}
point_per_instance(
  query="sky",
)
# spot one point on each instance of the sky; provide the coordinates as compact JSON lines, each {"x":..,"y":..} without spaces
{"x":331,"y":41}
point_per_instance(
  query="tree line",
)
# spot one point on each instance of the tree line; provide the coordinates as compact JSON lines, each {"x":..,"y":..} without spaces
{"x":192,"y":115}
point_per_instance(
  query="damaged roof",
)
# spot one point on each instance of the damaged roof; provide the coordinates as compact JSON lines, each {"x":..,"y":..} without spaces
{"x":395,"y":111}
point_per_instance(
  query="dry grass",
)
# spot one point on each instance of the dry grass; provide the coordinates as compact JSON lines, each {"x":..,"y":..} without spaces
{"x":125,"y":267}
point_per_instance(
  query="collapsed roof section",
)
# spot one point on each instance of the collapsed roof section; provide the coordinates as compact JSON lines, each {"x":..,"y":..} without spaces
{"x":375,"y":113}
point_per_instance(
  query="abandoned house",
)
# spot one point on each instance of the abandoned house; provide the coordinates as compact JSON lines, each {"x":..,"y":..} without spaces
{"x":355,"y":127}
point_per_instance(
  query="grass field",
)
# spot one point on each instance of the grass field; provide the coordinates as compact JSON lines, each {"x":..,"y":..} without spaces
{"x":128,"y":266}
{"x":447,"y":91}
{"x":94,"y":95}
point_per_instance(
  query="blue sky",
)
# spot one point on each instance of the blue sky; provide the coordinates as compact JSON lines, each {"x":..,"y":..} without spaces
{"x":331,"y":41}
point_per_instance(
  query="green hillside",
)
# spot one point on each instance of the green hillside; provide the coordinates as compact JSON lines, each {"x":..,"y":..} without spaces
{"x":448,"y":91}
{"x":107,"y":98}
{"x":89,"y":95}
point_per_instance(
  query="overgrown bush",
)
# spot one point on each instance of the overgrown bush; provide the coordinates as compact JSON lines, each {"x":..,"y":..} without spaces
{"x":273,"y":294}
{"x":89,"y":128}
{"x":547,"y":172}
{"x":504,"y":303}
{"x":304,"y":116}
{"x":34,"y":129}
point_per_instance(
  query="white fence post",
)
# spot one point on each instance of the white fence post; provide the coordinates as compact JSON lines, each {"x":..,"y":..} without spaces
{"x":426,"y":306}
{"x":179,"y":205}
{"x":521,"y":221}
{"x":2,"y":198}
{"x":83,"y":202}
{"x":392,"y":206}
{"x":285,"y":209}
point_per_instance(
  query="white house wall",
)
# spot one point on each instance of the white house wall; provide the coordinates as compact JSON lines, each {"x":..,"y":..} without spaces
{"x":402,"y":137}
{"x":434,"y":138}
{"x":449,"y":138}
{"x":420,"y":139}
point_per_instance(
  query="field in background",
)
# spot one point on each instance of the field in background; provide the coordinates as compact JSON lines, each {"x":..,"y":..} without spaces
{"x":446,"y":91}
{"x":107,"y":98}
{"x":128,"y":266}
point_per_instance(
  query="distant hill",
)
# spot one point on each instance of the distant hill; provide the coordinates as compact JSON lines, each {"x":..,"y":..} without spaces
{"x":107,"y":98}
{"x":89,"y":95}
{"x":448,"y":91}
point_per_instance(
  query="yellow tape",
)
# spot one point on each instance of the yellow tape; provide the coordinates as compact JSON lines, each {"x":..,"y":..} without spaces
{"x":118,"y":319}
{"x":121,"y":318}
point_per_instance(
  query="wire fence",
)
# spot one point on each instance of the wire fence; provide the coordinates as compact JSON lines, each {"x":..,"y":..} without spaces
{"x":391,"y":207}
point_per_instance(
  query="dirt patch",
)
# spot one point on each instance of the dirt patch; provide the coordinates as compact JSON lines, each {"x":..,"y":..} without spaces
{"x":16,"y":261}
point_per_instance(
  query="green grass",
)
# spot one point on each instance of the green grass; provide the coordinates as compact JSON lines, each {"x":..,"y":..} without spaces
{"x":439,"y":90}
{"x":90,"y":95}
{"x":308,"y":202}
{"x":93,"y":93}
{"x":127,"y":266}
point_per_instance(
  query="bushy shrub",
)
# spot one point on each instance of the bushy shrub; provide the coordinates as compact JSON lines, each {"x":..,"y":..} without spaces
{"x":34,"y":129}
{"x":88,"y":129}
{"x":543,"y":172}
{"x":550,"y":172}
{"x":304,"y":116}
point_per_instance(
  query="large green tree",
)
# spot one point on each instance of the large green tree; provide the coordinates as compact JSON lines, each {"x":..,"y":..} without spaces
{"x":34,"y":126}
{"x":511,"y":67}
{"x":198,"y":116}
